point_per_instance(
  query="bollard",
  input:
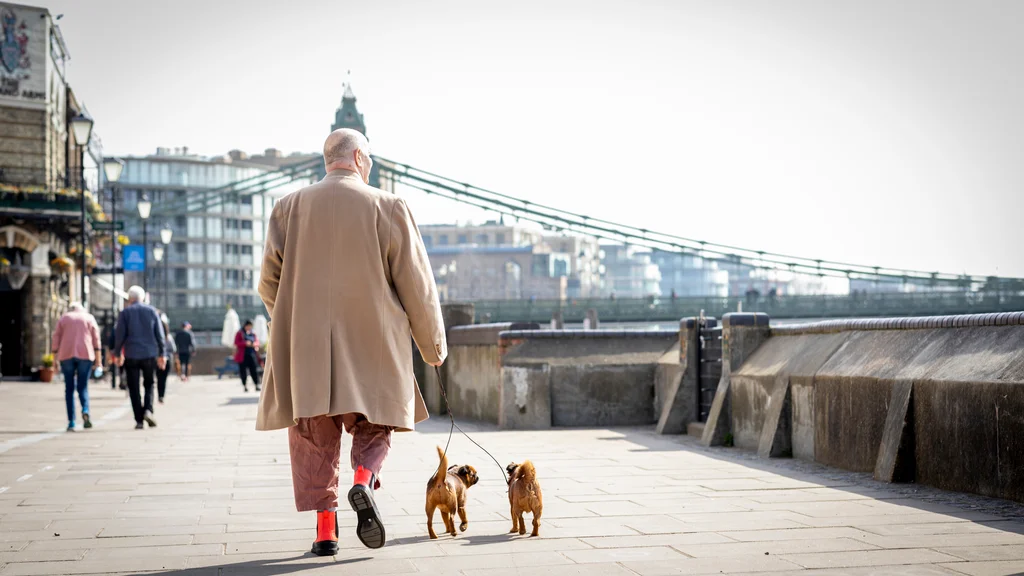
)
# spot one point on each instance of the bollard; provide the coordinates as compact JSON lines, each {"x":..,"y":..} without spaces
{"x":590,"y":322}
{"x":557,"y":322}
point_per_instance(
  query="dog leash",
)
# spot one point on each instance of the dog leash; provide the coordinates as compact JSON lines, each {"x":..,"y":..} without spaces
{"x":444,"y":394}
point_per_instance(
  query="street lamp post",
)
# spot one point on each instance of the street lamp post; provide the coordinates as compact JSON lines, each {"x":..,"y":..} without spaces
{"x":166,"y":233}
{"x":81,"y":127}
{"x":158,"y":255}
{"x":145,"y":207}
{"x":112,"y":168}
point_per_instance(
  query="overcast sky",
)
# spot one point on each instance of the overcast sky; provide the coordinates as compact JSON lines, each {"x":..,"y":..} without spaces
{"x":876,"y":132}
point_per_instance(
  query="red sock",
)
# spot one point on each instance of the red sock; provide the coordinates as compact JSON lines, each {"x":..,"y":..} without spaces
{"x":326,"y":526}
{"x":364,"y":477}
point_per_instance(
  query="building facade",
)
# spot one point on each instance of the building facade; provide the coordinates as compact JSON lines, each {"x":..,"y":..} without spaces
{"x":214,"y":258}
{"x":44,"y":175}
{"x":630,"y":271}
{"x":688,"y":275}
{"x":495,"y":261}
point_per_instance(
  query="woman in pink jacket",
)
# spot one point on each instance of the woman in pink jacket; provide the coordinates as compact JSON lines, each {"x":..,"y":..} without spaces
{"x":247,"y":347}
{"x":76,"y":344}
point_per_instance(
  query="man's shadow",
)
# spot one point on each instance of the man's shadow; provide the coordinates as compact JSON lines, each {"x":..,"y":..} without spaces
{"x":269,"y":567}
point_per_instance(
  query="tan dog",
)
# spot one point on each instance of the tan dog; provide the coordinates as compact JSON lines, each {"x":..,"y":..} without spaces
{"x":524,"y":495}
{"x":446,"y":491}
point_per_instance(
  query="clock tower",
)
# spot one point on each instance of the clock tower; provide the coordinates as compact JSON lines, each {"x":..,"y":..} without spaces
{"x":348,"y":116}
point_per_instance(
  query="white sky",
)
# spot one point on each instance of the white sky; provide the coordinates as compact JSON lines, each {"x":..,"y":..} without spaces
{"x":876,"y":132}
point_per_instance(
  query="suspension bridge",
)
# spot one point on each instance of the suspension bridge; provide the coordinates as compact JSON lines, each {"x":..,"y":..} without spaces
{"x":945,"y":293}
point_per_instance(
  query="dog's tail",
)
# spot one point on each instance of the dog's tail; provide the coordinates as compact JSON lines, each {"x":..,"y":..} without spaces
{"x":442,"y":470}
{"x":526,"y":472}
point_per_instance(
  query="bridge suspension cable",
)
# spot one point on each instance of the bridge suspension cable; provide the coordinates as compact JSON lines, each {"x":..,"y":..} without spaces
{"x":565,"y":220}
{"x":551,"y":216}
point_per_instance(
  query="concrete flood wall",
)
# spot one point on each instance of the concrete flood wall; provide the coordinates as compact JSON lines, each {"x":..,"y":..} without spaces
{"x":584,"y":377}
{"x":473,"y":370}
{"x":938,"y":401}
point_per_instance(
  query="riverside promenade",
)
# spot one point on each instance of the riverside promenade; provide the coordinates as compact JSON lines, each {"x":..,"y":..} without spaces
{"x":205,"y":494}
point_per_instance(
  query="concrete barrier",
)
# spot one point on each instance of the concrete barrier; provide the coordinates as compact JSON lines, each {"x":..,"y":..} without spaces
{"x":583,"y":377}
{"x":473,"y":374}
{"x":937,"y":400}
{"x":207,"y":358}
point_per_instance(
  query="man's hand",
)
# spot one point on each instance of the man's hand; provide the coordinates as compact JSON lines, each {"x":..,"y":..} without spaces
{"x":119,"y":360}
{"x":161,"y":362}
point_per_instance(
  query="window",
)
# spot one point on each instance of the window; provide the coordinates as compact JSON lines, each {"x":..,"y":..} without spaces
{"x":214,"y":253}
{"x":196,"y":278}
{"x":196,"y":301}
{"x":181,"y":279}
{"x":246,"y":224}
{"x":442,"y":240}
{"x":180,"y":300}
{"x":428,"y":241}
{"x":196,"y":253}
{"x":463,"y":239}
{"x":214,"y":279}
{"x":499,"y":238}
{"x":539,"y":265}
{"x":195,"y":227}
{"x":214,"y":228}
{"x":560,"y":266}
{"x":481,"y":239}
{"x":215,"y":300}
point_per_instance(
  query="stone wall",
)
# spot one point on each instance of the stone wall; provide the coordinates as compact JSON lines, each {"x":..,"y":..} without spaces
{"x":23,"y":146}
{"x":583,"y":377}
{"x":473,"y":370}
{"x":937,"y":400}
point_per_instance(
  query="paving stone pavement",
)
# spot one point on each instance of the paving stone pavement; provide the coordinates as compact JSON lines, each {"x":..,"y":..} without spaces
{"x":203,"y":493}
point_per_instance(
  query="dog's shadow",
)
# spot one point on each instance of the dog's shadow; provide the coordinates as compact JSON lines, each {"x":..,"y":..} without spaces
{"x":468,"y":540}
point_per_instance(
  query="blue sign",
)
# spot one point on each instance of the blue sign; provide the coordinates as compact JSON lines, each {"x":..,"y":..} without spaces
{"x":134,"y":258}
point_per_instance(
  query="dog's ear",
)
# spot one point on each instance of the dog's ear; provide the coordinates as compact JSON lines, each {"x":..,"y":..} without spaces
{"x":468,"y":475}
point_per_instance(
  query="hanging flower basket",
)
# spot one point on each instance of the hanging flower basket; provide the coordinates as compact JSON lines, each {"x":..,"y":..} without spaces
{"x":62,"y":264}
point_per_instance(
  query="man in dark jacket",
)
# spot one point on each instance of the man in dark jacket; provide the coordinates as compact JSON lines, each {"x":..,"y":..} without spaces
{"x":139,"y":343}
{"x":185,"y":340}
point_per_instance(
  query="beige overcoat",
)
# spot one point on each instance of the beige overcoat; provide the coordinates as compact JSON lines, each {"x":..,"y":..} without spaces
{"x":345,"y":280}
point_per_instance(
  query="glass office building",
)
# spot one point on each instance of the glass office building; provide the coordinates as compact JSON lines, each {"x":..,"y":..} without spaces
{"x":215,"y":254}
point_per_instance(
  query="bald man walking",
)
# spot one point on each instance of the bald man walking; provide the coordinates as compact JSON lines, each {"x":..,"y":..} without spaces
{"x":346,"y":280}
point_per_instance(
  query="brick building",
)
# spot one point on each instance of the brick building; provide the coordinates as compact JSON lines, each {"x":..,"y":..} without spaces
{"x":42,"y":177}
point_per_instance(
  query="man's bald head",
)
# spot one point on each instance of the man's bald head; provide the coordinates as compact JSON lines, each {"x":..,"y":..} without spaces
{"x":347,"y":149}
{"x":343,"y":143}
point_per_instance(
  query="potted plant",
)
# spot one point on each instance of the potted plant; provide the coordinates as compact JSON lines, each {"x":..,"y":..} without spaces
{"x":46,"y":372}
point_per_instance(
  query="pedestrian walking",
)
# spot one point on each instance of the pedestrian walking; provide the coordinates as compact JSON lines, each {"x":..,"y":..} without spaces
{"x":139,"y":346}
{"x":185,"y":341}
{"x":77,"y":346}
{"x":347,"y":364}
{"x":247,"y":347}
{"x":170,"y":350}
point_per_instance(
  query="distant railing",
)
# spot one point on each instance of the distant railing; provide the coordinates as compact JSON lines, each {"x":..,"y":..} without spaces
{"x":204,"y":319}
{"x":668,"y":309}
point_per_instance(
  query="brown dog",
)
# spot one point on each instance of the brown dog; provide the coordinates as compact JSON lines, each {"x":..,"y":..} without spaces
{"x":524,"y":495}
{"x":446,"y":491}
